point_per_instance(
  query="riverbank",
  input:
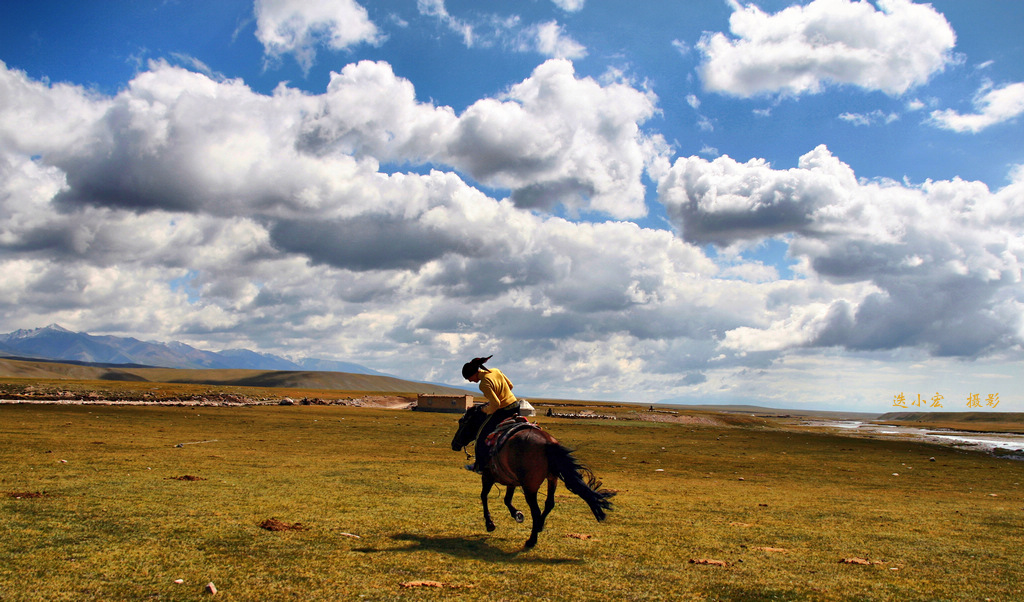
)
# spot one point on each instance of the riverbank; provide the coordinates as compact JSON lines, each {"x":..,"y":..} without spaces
{"x":1000,"y":444}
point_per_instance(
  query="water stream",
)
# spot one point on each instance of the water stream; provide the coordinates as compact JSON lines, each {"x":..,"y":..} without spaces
{"x":987,"y":442}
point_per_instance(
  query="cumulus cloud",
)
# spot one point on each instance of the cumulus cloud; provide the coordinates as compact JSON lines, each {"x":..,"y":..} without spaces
{"x":558,"y":139}
{"x":59,"y":113}
{"x":939,"y":265}
{"x":176,"y":140}
{"x":801,"y":49}
{"x":297,"y":27}
{"x":992,"y":105}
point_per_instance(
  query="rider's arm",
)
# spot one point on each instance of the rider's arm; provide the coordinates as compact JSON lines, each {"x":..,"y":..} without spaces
{"x":493,"y":403}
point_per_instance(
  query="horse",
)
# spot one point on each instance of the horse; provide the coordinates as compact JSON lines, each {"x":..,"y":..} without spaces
{"x":528,"y":458}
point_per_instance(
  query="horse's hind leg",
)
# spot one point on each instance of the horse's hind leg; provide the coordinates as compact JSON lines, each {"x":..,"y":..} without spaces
{"x":538,"y":518}
{"x":488,"y":481}
{"x":517,"y":515}
{"x":550,"y":502}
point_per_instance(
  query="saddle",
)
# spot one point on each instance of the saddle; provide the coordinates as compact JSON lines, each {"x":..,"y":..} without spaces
{"x":504,"y":431}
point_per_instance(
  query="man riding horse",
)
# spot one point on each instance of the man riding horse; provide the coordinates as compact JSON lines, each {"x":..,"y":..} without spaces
{"x":528,"y":457}
{"x":501,"y":403}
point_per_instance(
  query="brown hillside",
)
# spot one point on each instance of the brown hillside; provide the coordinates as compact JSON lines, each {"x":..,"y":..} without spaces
{"x":341,"y":381}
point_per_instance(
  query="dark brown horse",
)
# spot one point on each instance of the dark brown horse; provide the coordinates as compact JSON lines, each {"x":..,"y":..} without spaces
{"x":527,"y":459}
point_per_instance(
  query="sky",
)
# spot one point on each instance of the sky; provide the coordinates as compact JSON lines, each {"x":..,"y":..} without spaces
{"x":814,"y":204}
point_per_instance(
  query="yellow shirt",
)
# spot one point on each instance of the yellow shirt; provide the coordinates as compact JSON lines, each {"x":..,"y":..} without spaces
{"x":497,"y":388}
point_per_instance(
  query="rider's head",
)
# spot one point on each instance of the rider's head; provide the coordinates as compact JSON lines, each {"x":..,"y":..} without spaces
{"x":471,"y":369}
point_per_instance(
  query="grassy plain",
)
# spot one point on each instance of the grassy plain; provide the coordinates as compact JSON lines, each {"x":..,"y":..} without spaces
{"x":781,"y":508}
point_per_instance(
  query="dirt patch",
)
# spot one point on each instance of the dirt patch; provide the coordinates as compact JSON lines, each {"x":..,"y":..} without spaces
{"x":708,"y":561}
{"x":860,"y":561}
{"x":434,"y":584}
{"x":272,"y":524}
{"x":27,"y":495}
{"x":678,"y":418}
{"x":387,"y":402}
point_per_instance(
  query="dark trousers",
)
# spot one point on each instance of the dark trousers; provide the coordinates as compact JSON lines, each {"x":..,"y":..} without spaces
{"x":481,"y":451}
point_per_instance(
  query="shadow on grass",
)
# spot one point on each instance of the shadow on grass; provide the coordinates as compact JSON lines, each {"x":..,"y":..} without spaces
{"x":475,"y":547}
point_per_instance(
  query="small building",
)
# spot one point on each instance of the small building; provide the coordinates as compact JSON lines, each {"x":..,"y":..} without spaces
{"x":444,"y":403}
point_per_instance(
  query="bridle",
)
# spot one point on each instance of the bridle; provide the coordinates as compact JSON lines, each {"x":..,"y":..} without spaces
{"x":463,"y":422}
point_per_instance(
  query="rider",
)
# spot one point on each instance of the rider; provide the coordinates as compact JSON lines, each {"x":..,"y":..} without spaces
{"x":501,"y":403}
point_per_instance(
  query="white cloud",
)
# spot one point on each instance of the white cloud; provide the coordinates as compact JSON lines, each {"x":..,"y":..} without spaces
{"x":939,"y":265}
{"x":876,"y":116}
{"x":177,"y":148}
{"x":803,"y":48}
{"x":993,"y":106}
{"x":298,"y":26}
{"x":558,"y":139}
{"x":549,"y":39}
{"x":570,"y":6}
{"x":59,"y":114}
{"x":195,"y":144}
{"x":437,"y":9}
{"x":915,"y":104}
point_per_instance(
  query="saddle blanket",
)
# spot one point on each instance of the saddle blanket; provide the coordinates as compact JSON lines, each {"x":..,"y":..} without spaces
{"x":505,"y":429}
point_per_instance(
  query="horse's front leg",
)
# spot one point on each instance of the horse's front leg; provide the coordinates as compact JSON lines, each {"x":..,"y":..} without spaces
{"x":517,"y":515}
{"x":487,"y":481}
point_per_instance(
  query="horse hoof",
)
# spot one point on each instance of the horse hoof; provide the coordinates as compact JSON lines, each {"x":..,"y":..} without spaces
{"x":490,"y":527}
{"x":519,"y":517}
{"x":530,"y":543}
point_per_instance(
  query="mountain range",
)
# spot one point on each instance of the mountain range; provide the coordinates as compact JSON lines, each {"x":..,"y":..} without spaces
{"x":56,"y":343}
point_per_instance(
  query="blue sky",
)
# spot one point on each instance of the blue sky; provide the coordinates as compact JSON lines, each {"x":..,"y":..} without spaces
{"x":799,"y":204}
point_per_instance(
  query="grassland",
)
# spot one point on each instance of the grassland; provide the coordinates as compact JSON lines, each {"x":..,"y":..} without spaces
{"x":103,"y":512}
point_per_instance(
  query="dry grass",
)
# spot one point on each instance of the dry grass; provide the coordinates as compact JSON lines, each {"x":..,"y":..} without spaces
{"x":383,"y":501}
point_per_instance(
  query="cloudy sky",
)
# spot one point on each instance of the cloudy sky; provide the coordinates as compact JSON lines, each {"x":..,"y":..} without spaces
{"x":795,"y":204}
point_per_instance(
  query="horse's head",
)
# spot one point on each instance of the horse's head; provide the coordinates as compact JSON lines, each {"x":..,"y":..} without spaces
{"x":469,"y":425}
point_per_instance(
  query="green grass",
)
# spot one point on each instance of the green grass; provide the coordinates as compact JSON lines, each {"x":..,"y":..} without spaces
{"x":114,"y":524}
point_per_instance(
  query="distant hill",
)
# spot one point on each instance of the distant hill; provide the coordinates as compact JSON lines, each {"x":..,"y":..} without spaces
{"x":805,"y":413}
{"x":56,"y":343}
{"x":337,"y":381}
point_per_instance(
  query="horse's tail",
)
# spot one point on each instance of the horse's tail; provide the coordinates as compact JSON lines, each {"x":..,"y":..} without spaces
{"x":572,"y":473}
